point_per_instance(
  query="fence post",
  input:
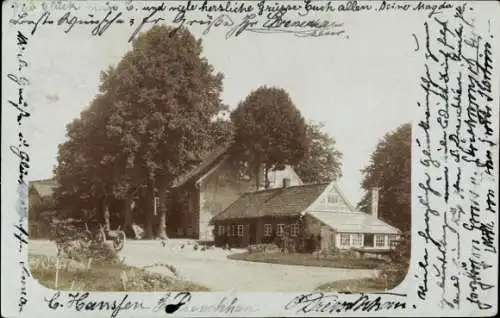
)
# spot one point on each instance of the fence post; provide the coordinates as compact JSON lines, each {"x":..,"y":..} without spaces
{"x":57,"y":273}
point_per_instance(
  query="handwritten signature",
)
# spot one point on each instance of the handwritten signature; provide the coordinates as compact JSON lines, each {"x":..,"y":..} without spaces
{"x":82,"y":302}
{"x":325,"y":303}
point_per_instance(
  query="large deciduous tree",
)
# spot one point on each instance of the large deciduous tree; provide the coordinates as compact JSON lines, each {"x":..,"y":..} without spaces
{"x":269,"y":131}
{"x":322,"y":161}
{"x":390,"y":170}
{"x":157,"y":111}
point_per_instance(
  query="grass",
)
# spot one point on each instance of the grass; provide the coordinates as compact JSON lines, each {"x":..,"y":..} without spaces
{"x":355,"y":285}
{"x":105,"y":277}
{"x":392,"y":276}
{"x":307,"y":260}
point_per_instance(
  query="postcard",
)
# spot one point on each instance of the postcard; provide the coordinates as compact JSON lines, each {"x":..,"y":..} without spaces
{"x":250,"y":158}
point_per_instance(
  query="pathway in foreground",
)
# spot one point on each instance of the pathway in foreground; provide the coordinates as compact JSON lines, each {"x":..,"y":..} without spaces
{"x":212,"y":269}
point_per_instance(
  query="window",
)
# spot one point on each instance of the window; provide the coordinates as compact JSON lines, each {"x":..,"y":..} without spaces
{"x":357,"y":239}
{"x":240,"y":229}
{"x":294,"y":229}
{"x":228,"y":230}
{"x":368,"y":240}
{"x":332,"y":198}
{"x":221,"y":229}
{"x":280,"y":230}
{"x":234,"y":230}
{"x":345,"y":239}
{"x":380,"y":240}
{"x":268,"y":229}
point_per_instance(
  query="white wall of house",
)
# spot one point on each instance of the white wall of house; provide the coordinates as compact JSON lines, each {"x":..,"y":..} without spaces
{"x":276,"y":178}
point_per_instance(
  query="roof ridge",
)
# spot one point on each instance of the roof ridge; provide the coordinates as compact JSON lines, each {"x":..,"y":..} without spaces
{"x":210,"y":160}
{"x":288,"y":187}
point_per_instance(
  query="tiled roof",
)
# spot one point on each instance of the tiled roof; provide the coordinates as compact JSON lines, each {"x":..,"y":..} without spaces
{"x":206,"y":164}
{"x":354,"y":222}
{"x":290,"y":201}
{"x":45,"y":188}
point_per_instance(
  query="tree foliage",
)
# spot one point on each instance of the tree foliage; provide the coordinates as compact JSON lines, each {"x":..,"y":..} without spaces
{"x":269,"y":130}
{"x":154,"y":112}
{"x":322,"y":161}
{"x":390,"y":170}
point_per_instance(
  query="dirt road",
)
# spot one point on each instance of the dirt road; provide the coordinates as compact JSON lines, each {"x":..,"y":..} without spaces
{"x":212,"y":269}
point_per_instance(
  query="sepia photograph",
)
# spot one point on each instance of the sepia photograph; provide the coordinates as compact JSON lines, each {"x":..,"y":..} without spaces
{"x":195,"y":167}
{"x":268,"y":158}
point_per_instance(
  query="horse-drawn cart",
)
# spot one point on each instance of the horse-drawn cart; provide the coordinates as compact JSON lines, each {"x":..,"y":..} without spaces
{"x":77,"y":232}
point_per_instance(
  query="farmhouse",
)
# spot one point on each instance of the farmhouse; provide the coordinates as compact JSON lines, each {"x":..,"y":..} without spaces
{"x":208,"y":189}
{"x":317,"y":213}
{"x":41,"y":206}
{"x":40,"y":194}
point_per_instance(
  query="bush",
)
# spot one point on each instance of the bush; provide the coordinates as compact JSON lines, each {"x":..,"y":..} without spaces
{"x":310,"y":243}
{"x":336,"y":254}
{"x":171,"y":268}
{"x":396,"y":269}
{"x":350,"y":253}
{"x":99,"y":253}
{"x":117,"y":277}
{"x":265,"y":248}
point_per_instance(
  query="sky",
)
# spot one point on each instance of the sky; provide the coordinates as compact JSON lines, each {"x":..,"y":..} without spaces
{"x":361,"y":88}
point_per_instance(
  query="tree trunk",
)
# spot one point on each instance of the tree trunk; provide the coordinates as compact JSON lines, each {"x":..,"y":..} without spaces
{"x":148,"y":205}
{"x":127,"y":215}
{"x":162,"y":224}
{"x":257,"y":175}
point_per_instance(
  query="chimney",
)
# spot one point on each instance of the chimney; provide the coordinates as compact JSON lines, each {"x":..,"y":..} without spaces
{"x":286,"y":182}
{"x":375,"y":202}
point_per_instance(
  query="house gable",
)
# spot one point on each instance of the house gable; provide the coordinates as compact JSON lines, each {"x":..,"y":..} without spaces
{"x":331,"y":200}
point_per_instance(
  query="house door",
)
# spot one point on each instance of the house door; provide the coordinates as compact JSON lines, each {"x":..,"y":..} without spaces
{"x":253,"y":233}
{"x":246,"y":235}
{"x":326,"y":238}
